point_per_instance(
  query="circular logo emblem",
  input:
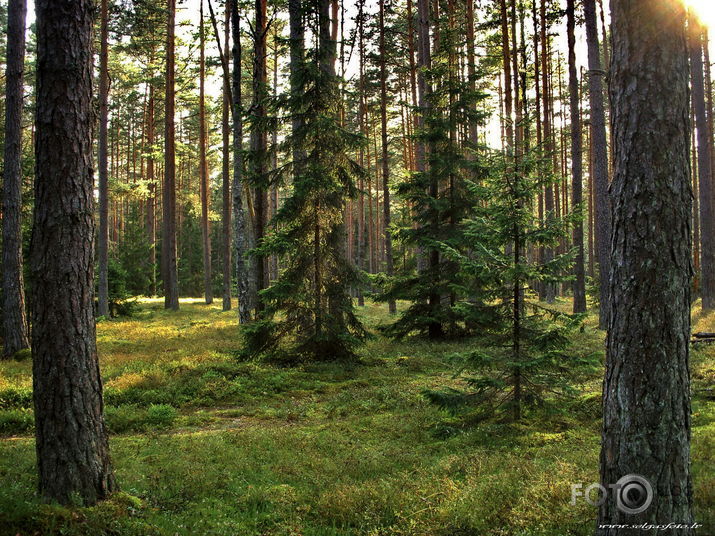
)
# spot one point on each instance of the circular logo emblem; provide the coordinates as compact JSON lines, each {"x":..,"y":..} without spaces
{"x":634,"y":494}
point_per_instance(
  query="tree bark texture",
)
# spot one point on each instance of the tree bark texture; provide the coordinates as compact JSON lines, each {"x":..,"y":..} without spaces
{"x":71,"y":437}
{"x":646,"y":429}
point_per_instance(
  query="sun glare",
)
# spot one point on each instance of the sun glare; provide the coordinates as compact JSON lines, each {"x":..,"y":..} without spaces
{"x":704,"y":9}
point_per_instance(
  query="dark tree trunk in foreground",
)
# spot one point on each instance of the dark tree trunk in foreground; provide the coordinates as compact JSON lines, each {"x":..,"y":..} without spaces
{"x":646,"y":428}
{"x":600,"y":157}
{"x":707,"y":225}
{"x":14,"y":333}
{"x":170,"y":273}
{"x":71,"y":438}
{"x":244,"y":305}
{"x":103,"y":242}
{"x":579,"y":284}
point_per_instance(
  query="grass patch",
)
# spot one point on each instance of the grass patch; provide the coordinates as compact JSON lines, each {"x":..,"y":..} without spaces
{"x":203,"y":444}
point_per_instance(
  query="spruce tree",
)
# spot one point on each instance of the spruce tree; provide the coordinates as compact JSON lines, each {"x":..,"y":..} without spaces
{"x":308,"y":312}
{"x":523,"y":358}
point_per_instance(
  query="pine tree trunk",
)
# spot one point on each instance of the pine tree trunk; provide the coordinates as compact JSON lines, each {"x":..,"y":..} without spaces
{"x":392,"y":306}
{"x":361,"y":154}
{"x":579,"y":285}
{"x":71,"y":437}
{"x":599,"y":180}
{"x":646,"y":391}
{"x":225,"y":169}
{"x":170,"y":274}
{"x":707,"y":225}
{"x":103,"y":249}
{"x":203,"y":165}
{"x":242,"y":273}
{"x":15,"y":331}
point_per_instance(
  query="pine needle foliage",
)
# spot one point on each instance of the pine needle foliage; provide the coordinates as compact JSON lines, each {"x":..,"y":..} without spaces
{"x":440,"y":201}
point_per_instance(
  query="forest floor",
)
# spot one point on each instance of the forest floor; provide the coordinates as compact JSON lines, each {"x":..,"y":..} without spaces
{"x":204,"y":444}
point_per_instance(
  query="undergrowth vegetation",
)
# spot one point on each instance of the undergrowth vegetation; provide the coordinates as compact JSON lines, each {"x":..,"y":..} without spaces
{"x":204,"y":443}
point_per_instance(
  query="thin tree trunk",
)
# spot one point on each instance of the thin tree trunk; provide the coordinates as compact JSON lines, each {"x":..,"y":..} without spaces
{"x":506,"y":65}
{"x":471,"y":72}
{"x":15,"y":331}
{"x":203,"y":165}
{"x":646,"y":427}
{"x":151,"y":198}
{"x":361,"y":154}
{"x":242,"y":275}
{"x":385,"y":154}
{"x":71,"y":437}
{"x":169,"y":273}
{"x":549,"y":288}
{"x":103,"y":250}
{"x":707,"y":226}
{"x":259,"y":140}
{"x":599,"y":180}
{"x":579,"y":286}
{"x":225,"y":169}
{"x":273,"y":261}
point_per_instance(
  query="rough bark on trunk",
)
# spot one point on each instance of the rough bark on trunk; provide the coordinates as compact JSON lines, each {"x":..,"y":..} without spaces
{"x":599,"y":180}
{"x":579,"y":285}
{"x":170,"y":274}
{"x":15,"y":332}
{"x":646,"y":428}
{"x":71,"y":437}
